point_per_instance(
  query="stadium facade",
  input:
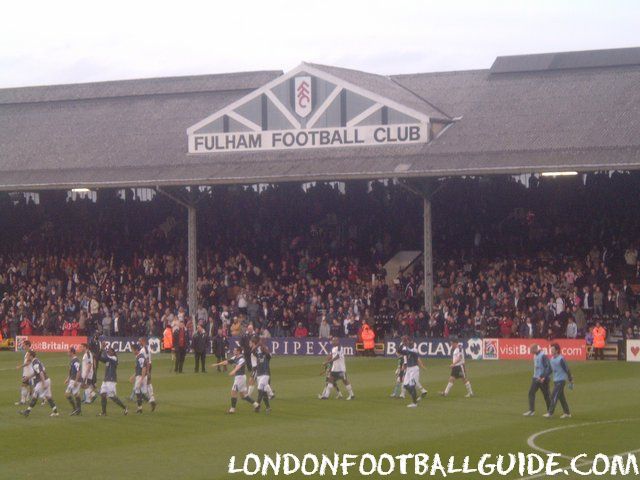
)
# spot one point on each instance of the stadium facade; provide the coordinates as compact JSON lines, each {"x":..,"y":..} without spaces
{"x":574,"y":111}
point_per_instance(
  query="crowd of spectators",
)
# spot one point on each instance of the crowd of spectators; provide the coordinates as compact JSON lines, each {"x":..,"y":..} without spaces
{"x":547,"y":259}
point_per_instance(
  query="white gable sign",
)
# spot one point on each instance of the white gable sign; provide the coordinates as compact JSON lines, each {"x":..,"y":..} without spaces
{"x":307,"y":108}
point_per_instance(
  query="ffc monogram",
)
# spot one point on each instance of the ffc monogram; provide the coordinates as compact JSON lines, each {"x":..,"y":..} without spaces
{"x":303,"y":99}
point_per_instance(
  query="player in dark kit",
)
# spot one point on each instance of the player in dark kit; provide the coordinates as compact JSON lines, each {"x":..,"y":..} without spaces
{"x":42,"y":386}
{"x":412,"y":369}
{"x":140,"y":377}
{"x":74,"y":383}
{"x":108,"y":387}
{"x":239,"y":379}
{"x":263,"y":372}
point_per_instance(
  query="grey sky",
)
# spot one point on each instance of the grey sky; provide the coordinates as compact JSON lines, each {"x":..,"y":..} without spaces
{"x":45,"y":42}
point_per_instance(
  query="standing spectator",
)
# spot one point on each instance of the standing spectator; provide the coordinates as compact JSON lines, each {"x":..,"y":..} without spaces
{"x":200,"y":343}
{"x":301,"y":331}
{"x":220,"y":347}
{"x":572,"y":329}
{"x":106,"y":323}
{"x":598,"y":302}
{"x":324,"y":331}
{"x":180,"y":346}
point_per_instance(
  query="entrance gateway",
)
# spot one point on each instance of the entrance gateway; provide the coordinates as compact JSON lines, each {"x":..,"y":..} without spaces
{"x":308,"y":108}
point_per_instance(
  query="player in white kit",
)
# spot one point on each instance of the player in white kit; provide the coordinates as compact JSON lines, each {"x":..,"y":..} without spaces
{"x":42,"y":387}
{"x":86,"y":373}
{"x":338,"y":371}
{"x":27,"y":376}
{"x":148,"y":390}
{"x":458,"y":369}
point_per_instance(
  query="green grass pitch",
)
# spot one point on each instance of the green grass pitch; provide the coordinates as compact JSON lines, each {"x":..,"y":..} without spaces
{"x":190,"y":435}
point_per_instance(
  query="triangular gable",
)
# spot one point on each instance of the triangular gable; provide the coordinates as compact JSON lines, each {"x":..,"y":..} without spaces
{"x":308,"y":108}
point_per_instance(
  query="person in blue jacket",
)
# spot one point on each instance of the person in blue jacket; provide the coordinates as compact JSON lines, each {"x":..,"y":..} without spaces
{"x":561,"y":376}
{"x":541,"y":379}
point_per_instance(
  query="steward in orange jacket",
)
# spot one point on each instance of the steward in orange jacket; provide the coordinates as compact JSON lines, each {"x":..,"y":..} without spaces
{"x":599,"y":341}
{"x":167,"y":339}
{"x":368,"y":337}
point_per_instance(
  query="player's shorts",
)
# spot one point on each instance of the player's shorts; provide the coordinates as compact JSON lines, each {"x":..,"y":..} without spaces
{"x":459,"y":372}
{"x":239,"y":383}
{"x":411,"y":376}
{"x":140,"y":384}
{"x":108,"y":389}
{"x":339,"y":376}
{"x":87,"y":377}
{"x":86,"y":381}
{"x":73,"y":387}
{"x":27,"y":372}
{"x":42,"y":389}
{"x":263,"y":382}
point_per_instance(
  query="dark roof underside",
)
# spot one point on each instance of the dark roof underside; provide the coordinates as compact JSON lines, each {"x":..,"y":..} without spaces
{"x":134,"y":132}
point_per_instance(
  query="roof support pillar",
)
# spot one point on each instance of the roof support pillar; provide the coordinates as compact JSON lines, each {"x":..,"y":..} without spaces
{"x":427,"y":254}
{"x":192,"y":262}
{"x":425,"y":189}
{"x":192,"y":246}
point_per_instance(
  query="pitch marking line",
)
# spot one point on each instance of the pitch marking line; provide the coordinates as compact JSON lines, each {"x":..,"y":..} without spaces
{"x":531,"y":441}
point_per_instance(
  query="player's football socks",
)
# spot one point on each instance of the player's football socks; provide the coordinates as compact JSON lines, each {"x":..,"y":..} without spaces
{"x":350,"y":392}
{"x":32,"y":404}
{"x":396,"y":390}
{"x":152,"y":398}
{"x":103,"y":404}
{"x":412,"y":391}
{"x":72,"y":402}
{"x":153,"y":405}
{"x":79,"y":405}
{"x":447,"y":389}
{"x":263,"y":397}
{"x":469,"y":389}
{"x":118,"y":402}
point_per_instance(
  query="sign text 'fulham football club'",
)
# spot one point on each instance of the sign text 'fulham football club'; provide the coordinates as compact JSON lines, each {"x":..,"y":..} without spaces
{"x":308,"y":108}
{"x":285,"y":139}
